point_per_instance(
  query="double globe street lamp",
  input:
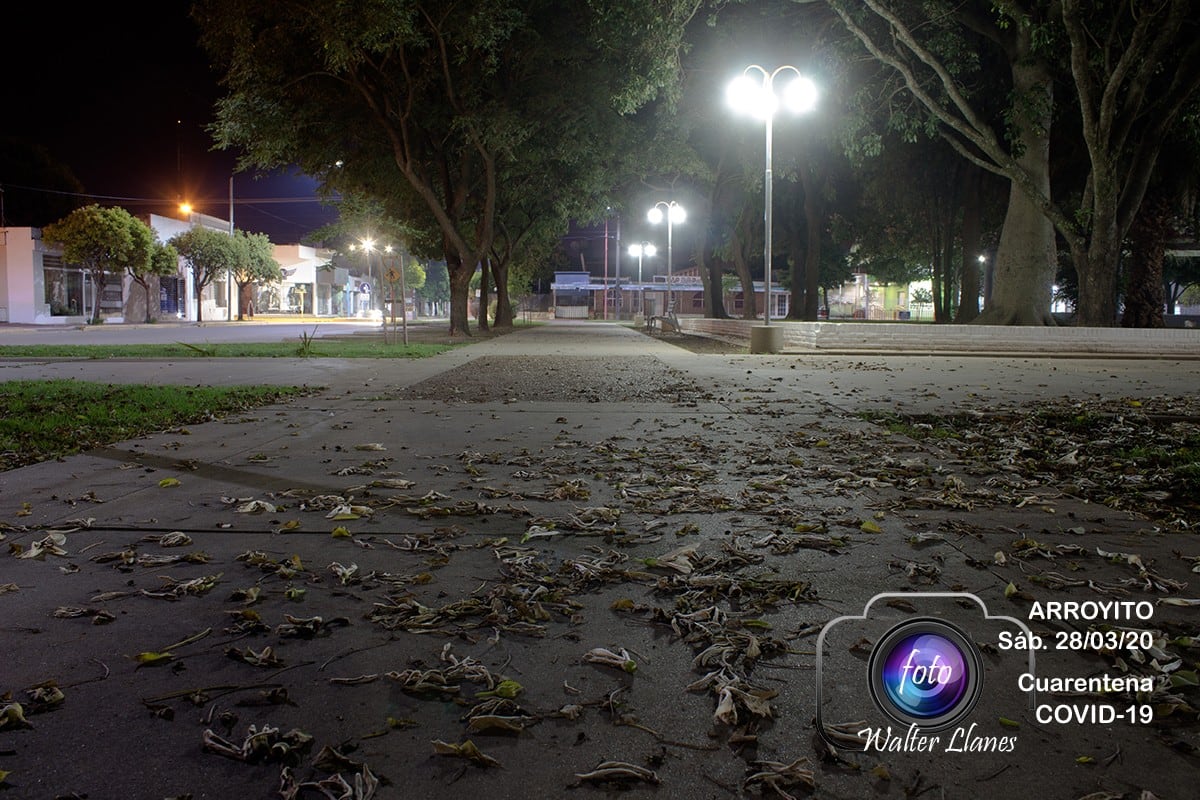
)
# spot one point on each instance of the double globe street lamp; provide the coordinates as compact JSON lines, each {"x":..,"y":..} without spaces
{"x":753,"y":93}
{"x":674,"y":214}
{"x":638,"y":251}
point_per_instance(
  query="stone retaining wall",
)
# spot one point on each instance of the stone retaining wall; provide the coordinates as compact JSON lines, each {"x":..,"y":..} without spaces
{"x":909,"y":337}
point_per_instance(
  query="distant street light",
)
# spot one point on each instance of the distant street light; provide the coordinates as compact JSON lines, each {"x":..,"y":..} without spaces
{"x":674,"y":214}
{"x":638,"y":251}
{"x":368,"y":247}
{"x":756,"y":97}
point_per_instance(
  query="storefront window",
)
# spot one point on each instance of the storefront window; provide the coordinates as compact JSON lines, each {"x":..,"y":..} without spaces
{"x":64,"y":287}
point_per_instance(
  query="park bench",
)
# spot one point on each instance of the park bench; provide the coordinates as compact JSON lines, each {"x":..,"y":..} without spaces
{"x":663,"y":321}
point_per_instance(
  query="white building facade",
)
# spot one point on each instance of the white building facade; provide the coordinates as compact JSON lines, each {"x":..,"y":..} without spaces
{"x":38,"y":288}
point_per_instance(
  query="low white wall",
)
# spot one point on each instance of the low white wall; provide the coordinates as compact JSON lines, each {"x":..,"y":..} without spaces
{"x":905,"y":337}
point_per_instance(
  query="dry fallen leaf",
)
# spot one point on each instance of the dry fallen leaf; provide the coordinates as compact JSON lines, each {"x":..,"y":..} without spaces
{"x":466,"y":750}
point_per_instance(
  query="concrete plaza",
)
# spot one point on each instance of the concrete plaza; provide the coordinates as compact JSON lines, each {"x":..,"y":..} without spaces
{"x":379,"y":565}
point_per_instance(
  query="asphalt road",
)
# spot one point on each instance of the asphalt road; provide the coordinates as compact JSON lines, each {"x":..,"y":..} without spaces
{"x":281,"y":329}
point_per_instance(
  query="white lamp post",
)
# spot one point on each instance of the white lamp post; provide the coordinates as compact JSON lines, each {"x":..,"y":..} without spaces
{"x":368,"y":246}
{"x":674,"y":214}
{"x":753,"y":93}
{"x":638,"y":251}
{"x":230,"y":277}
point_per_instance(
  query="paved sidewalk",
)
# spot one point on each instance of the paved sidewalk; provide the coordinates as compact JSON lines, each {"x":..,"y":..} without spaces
{"x":508,"y":511}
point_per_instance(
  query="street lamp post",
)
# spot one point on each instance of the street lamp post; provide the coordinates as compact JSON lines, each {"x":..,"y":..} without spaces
{"x":757,"y":98}
{"x":617,"y":253}
{"x":230,"y":281}
{"x":638,"y":251}
{"x":674,"y":213}
{"x":368,"y":246}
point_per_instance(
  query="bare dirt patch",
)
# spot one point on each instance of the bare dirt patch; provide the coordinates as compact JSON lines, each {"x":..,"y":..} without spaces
{"x":702,"y":344}
{"x":586,"y":379}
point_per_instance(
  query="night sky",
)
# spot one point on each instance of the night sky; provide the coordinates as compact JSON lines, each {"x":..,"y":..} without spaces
{"x":121,"y":93}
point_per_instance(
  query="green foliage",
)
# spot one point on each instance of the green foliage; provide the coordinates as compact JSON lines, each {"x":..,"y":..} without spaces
{"x":209,"y":254}
{"x":254,"y":262}
{"x":454,"y":122}
{"x":414,"y":275}
{"x":306,"y":343}
{"x":436,"y":288}
{"x":103,"y":240}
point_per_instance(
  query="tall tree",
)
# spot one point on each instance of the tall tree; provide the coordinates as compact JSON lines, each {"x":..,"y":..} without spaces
{"x":930,"y":49}
{"x":102,"y":241}
{"x":446,"y":92}
{"x":208,"y":254}
{"x":1130,"y":68}
{"x":1135,"y":66}
{"x":254,"y":264}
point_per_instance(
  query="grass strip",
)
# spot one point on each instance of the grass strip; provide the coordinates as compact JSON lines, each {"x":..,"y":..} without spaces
{"x":315,"y":348}
{"x":43,"y":420}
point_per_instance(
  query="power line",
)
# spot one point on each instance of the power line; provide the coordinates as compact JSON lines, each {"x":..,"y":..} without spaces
{"x":164,"y":201}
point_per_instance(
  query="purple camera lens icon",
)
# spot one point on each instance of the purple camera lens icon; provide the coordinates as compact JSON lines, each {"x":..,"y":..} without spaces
{"x":925,"y":672}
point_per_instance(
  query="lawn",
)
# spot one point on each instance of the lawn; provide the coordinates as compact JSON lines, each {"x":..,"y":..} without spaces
{"x":43,"y":420}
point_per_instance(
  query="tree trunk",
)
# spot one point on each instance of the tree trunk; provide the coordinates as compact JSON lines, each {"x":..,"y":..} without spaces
{"x":145,"y":284}
{"x":710,"y":265}
{"x":1097,"y":264}
{"x":1096,"y":271}
{"x":939,"y":310}
{"x":799,"y":257}
{"x":1144,"y":296}
{"x":242,"y":294}
{"x":98,"y":284}
{"x":749,"y":298}
{"x":504,"y":310}
{"x":714,"y":298}
{"x":971,"y":232}
{"x":199,"y":290}
{"x":485,"y":277}
{"x":947,"y":259}
{"x":715,"y":273}
{"x":460,"y":291}
{"x":1027,"y":258}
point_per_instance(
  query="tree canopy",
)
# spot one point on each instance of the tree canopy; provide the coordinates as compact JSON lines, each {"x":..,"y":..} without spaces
{"x":432,"y":106}
{"x":254,"y":264}
{"x":103,"y":240}
{"x":208,"y":254}
{"x":1123,"y":72}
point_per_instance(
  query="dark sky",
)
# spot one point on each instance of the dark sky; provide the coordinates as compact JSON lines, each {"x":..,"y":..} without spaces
{"x":121,"y":93}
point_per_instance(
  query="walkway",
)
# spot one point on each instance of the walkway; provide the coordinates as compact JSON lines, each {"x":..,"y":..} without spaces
{"x":552,"y":507}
